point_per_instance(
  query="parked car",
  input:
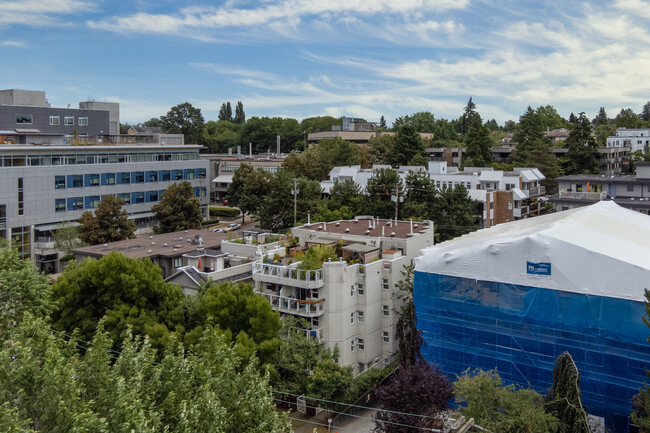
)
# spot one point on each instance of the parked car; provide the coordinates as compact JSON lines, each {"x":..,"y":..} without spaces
{"x":231,"y":227}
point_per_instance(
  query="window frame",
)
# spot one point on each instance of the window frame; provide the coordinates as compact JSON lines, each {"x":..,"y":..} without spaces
{"x":385,"y":336}
{"x":23,"y":121}
{"x":68,"y":120}
{"x":82,"y":120}
{"x":55,"y":120}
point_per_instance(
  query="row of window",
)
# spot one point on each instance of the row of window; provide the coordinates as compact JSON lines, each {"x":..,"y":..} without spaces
{"x":28,"y":119}
{"x":360,"y":289}
{"x":93,"y":158}
{"x":123,"y":178}
{"x":361,"y":344}
{"x":92,"y":201}
{"x":361,"y":317}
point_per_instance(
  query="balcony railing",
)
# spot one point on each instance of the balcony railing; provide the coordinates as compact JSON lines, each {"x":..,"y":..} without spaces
{"x":518,"y":212}
{"x":288,"y":275}
{"x":579,"y":195}
{"x":537,"y":191}
{"x":285,"y":304}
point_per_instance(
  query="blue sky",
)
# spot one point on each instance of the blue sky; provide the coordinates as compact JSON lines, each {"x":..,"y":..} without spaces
{"x":302,"y":58}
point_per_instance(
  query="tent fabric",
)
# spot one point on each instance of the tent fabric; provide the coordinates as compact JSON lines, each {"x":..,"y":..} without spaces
{"x":602,"y":249}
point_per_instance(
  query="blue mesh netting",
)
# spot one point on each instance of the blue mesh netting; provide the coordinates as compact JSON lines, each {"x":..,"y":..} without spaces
{"x":521,"y":330}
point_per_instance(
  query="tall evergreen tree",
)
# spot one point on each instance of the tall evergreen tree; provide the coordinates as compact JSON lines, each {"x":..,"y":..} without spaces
{"x":645,"y":112}
{"x":479,"y":144}
{"x":528,"y":131}
{"x":382,"y":122}
{"x":539,"y":155}
{"x":601,"y":118}
{"x":408,"y":144}
{"x":582,"y":156}
{"x":240,"y":116}
{"x":563,"y":401}
{"x":228,"y":112}
{"x":468,"y":114}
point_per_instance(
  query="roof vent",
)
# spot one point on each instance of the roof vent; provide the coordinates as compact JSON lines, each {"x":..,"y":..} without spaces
{"x":356,"y":220}
{"x":175,"y":249}
{"x":189,"y":240}
{"x":320,"y":227}
{"x":150,"y":237}
{"x":392,"y":233}
{"x":415,"y":226}
{"x":165,"y":244}
{"x":153,"y":243}
{"x":347,"y":229}
{"x":367,"y":232}
{"x":148,"y":251}
{"x":337,"y":224}
{"x":105,"y":245}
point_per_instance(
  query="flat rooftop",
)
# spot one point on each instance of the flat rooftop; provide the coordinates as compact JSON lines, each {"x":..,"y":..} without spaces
{"x":375,"y":228}
{"x":164,"y":245}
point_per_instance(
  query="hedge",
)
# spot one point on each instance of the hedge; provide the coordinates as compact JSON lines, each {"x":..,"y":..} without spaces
{"x":224,"y":212}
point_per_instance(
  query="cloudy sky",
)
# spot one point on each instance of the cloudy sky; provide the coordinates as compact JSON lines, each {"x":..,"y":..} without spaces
{"x":302,"y":58}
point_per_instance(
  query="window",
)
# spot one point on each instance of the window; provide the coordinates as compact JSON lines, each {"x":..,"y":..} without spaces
{"x":360,"y":316}
{"x":76,"y":203}
{"x":360,"y":288}
{"x":314,"y":321}
{"x":189,"y":174}
{"x":314,"y":293}
{"x":178,"y":262}
{"x":360,"y":343}
{"x":137,"y":197}
{"x":59,"y":182}
{"x":93,"y":201}
{"x":77,"y":181}
{"x":630,"y":187}
{"x":351,"y":318}
{"x":385,"y":309}
{"x":21,"y":205}
{"x":83,"y":121}
{"x":384,"y":284}
{"x":385,"y":337}
{"x":352,"y":290}
{"x":138,"y":177}
{"x":59,"y":205}
{"x":152,"y":176}
{"x":93,"y":180}
{"x":109,"y":179}
{"x":68,"y":120}
{"x":177,"y":174}
{"x":126,"y":197}
{"x":165,"y":176}
{"x":124,"y":177}
{"x":352,"y":344}
{"x":152,"y":196}
{"x":55,"y":120}
{"x":24,"y":119}
{"x":200,"y":173}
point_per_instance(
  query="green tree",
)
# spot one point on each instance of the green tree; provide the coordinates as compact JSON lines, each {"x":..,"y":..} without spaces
{"x":382,"y":149}
{"x":563,"y":401}
{"x":601,"y":118}
{"x":645,"y":112}
{"x":602,"y":132}
{"x":383,"y":184}
{"x":240,"y":116}
{"x":249,"y":185}
{"x":221,"y":136}
{"x":422,"y":121}
{"x":317,"y":161}
{"x":408,"y":145}
{"x":479,"y":144}
{"x":539,"y":155}
{"x":382,"y":123}
{"x":641,"y":401}
{"x":346,"y":193}
{"x":109,"y":224}
{"x":454,"y":213}
{"x":528,"y":131}
{"x":502,"y":408}
{"x":549,"y":118}
{"x":329,"y":382}
{"x":48,"y":386}
{"x":582,"y":156}
{"x":469,"y":112}
{"x":23,"y":290}
{"x":154,"y":122}
{"x":420,"y":196}
{"x":262,"y":133}
{"x":128,"y":292}
{"x":178,"y":209}
{"x":184,"y":119}
{"x":409,"y":337}
{"x":444,"y":133}
{"x":319,"y":123}
{"x":67,"y":238}
{"x":627,"y":118}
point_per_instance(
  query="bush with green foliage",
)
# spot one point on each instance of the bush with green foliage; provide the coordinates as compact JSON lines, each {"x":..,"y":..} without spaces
{"x":226,"y":212}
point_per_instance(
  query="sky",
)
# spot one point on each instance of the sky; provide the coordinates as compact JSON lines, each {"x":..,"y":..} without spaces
{"x":304,"y":58}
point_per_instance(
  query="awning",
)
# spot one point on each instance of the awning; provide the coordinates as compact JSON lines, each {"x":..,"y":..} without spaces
{"x":223,"y":178}
{"x":27,"y":131}
{"x":518,"y":194}
{"x":141,"y":215}
{"x":47,"y":227}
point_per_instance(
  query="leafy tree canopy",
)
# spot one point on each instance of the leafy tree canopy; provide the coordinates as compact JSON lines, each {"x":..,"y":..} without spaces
{"x":627,"y":118}
{"x":383,"y":184}
{"x":109,"y":224}
{"x":408,"y":145}
{"x":564,"y":401}
{"x":179,"y":209}
{"x":549,"y":118}
{"x":422,"y":121}
{"x":582,"y":156}
{"x":240,"y":116}
{"x":479,"y":144}
{"x":249,"y":185}
{"x":221,"y":136}
{"x":184,"y":119}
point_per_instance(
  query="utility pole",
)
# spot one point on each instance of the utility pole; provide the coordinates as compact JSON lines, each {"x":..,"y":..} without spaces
{"x":295,"y":200}
{"x":396,"y":199}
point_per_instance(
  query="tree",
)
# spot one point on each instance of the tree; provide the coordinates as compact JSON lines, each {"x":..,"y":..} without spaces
{"x":235,"y":307}
{"x":420,"y":195}
{"x":221,"y":136}
{"x":409,"y":337}
{"x":382,"y":185}
{"x":645,"y":112}
{"x":408,"y":145}
{"x":422,"y":121}
{"x":444,"y":132}
{"x":23,"y":290}
{"x":479,"y":144}
{"x":454,"y":213}
{"x":240,"y":116}
{"x":249,"y":185}
{"x":641,"y":401}
{"x":382,"y":149}
{"x":184,"y":119}
{"x":179,"y":209}
{"x":262,"y":133}
{"x":582,"y":156}
{"x":549,"y":118}
{"x":154,"y":122}
{"x":109,"y":224}
{"x":539,"y":155}
{"x":128,"y":292}
{"x":329,"y":382}
{"x":601,"y":118}
{"x":382,"y":123}
{"x":67,"y":238}
{"x":563,"y":400}
{"x":414,"y":389}
{"x":319,"y":123}
{"x":468,"y":116}
{"x":50,"y":387}
{"x":528,"y":131}
{"x":317,"y":161}
{"x":346,"y":193}
{"x":627,"y":118}
{"x":501,"y":408}
{"x":602,"y":132}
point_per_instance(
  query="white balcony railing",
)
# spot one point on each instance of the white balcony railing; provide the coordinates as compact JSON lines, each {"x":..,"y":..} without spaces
{"x":288,"y":275}
{"x":285,"y":304}
{"x":579,"y":195}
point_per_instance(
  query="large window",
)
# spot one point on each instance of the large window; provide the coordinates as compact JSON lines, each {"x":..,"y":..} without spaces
{"x":200,"y":173}
{"x":152,"y":196}
{"x":24,"y":119}
{"x":93,"y":201}
{"x":138,"y":177}
{"x":75,"y":203}
{"x":126,"y":197}
{"x":152,"y":176}
{"x":137,"y":197}
{"x":177,"y":174}
{"x":93,"y":180}
{"x":178,"y":262}
{"x":55,"y":120}
{"x":59,"y":205}
{"x":59,"y":182}
{"x":165,"y":175}
{"x":109,"y":179}
{"x":83,"y":121}
{"x":68,"y":120}
{"x":124,"y":178}
{"x":77,"y":181}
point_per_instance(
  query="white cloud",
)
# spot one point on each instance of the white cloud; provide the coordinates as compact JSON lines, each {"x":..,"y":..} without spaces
{"x":18,"y":44}
{"x":40,"y":12}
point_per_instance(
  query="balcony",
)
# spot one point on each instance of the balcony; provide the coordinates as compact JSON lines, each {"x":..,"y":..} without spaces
{"x":578,"y":195}
{"x":288,"y":305}
{"x":288,"y":275}
{"x":537,"y":191}
{"x":519,"y":212}
{"x":45,"y":243}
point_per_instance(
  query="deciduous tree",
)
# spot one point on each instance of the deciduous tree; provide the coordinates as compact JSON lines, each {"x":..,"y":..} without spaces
{"x":110,"y":223}
{"x":179,"y":209}
{"x":240,"y":116}
{"x":627,"y":118}
{"x":184,"y":119}
{"x":422,"y":121}
{"x":248,"y":188}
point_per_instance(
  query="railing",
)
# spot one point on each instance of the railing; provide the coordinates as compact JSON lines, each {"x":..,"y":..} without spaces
{"x":45,"y":242}
{"x":537,"y":191}
{"x":286,"y":304}
{"x":579,"y":195}
{"x":518,"y":212}
{"x":288,"y":275}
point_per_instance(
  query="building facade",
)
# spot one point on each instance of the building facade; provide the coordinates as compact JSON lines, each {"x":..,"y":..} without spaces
{"x":637,"y":139}
{"x":350,"y":303}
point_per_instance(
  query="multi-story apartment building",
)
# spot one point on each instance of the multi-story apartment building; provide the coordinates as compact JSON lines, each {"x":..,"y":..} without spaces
{"x":630,"y":191}
{"x":350,"y":303}
{"x":637,"y":139}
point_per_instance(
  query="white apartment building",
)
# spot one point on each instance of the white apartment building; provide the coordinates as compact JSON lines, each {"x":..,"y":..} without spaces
{"x":635,"y":138}
{"x":350,"y":303}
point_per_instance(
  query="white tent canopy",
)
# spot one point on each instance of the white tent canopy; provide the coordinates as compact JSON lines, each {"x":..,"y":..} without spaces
{"x":602,"y":249}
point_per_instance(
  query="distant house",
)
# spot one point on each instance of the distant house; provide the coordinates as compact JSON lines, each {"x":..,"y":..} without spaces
{"x":149,"y":130}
